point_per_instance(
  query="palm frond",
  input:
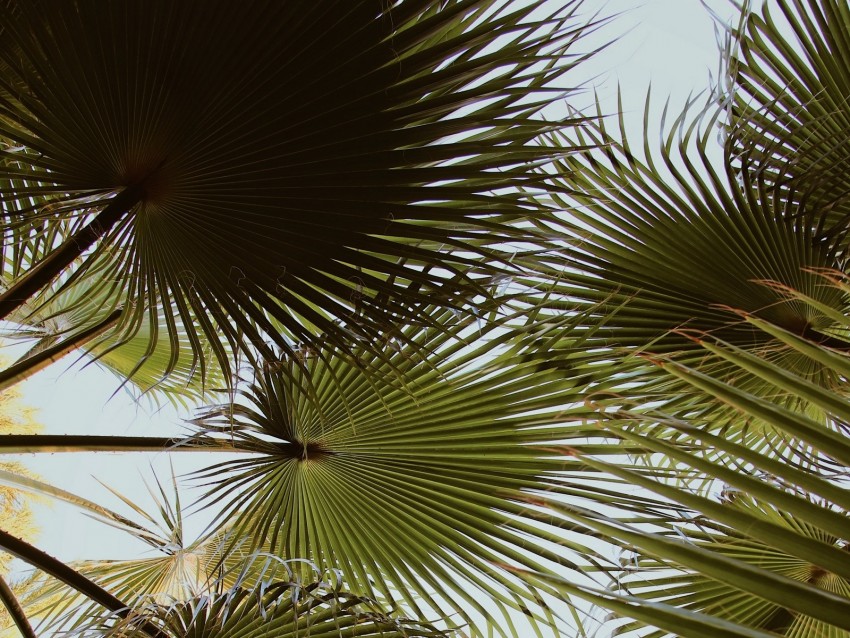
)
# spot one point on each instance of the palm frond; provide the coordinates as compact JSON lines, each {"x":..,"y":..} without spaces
{"x":328,"y":169}
{"x":770,"y":553}
{"x":662,"y":249}
{"x":288,"y":608}
{"x":655,"y":579}
{"x":408,"y":483}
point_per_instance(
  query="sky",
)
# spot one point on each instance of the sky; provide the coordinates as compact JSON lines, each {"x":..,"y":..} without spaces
{"x":668,"y":44}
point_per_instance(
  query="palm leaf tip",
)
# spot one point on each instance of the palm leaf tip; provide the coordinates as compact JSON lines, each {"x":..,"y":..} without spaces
{"x":331,"y":166}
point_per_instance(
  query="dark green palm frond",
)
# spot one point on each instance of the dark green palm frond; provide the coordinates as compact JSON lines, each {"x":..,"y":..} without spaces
{"x":661,"y":249}
{"x":660,"y":242}
{"x":789,"y":78}
{"x":327,"y":168}
{"x":411,"y":485}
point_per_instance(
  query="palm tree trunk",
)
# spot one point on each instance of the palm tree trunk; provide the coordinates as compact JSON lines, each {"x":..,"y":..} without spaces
{"x":15,"y":610}
{"x":25,"y":368}
{"x":51,"y":443}
{"x":51,"y":266}
{"x":59,"y":570}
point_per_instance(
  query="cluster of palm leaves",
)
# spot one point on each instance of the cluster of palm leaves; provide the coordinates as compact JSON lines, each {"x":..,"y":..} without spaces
{"x":486,"y":370}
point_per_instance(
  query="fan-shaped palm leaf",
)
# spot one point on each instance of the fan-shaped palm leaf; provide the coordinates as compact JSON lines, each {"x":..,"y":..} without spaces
{"x":313,"y":164}
{"x":660,"y":247}
{"x":667,"y":243}
{"x":408,"y":484}
{"x":204,"y":579}
{"x":287,"y":609}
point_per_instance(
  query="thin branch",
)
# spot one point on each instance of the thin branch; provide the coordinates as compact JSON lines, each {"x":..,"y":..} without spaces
{"x":59,"y":570}
{"x":25,"y":368}
{"x":40,"y":275}
{"x":15,"y":610}
{"x":51,"y":443}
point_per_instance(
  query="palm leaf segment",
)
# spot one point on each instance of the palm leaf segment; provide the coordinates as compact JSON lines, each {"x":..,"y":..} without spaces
{"x":413,"y":489}
{"x":788,"y":108}
{"x":272,"y":168}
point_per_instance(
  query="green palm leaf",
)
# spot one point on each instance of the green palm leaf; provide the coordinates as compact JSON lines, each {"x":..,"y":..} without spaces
{"x":771,"y":553}
{"x":284,"y":608}
{"x":266,"y":165}
{"x":662,"y":249}
{"x":412,"y":484}
{"x":692,"y":591}
{"x":165,"y":367}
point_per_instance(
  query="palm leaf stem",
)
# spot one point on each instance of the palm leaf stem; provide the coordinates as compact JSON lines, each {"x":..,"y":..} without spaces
{"x":40,"y":275}
{"x":25,"y":368}
{"x":51,"y":443}
{"x":15,"y":610}
{"x":59,"y":570}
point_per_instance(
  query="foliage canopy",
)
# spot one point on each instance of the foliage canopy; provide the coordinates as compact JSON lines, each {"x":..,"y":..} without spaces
{"x":487,"y":370}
